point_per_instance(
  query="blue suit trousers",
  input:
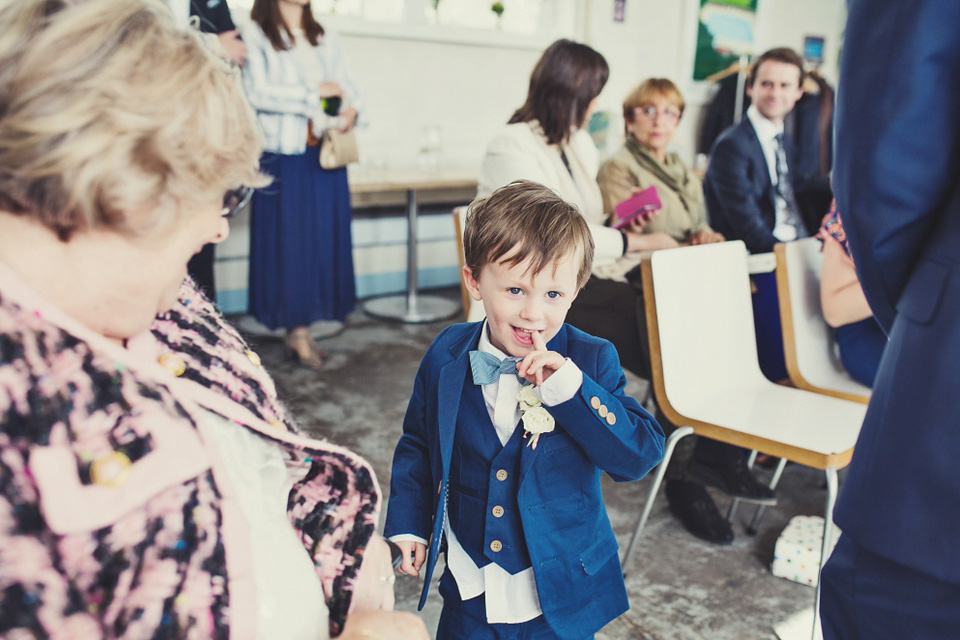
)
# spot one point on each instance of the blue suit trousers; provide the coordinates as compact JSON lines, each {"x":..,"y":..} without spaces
{"x":868,"y":597}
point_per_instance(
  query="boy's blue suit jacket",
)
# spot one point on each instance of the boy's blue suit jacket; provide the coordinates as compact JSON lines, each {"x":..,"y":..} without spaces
{"x":572,"y":546}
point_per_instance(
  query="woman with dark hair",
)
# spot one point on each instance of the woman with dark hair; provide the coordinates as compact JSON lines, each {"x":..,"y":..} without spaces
{"x":301,"y":251}
{"x":546,"y":142}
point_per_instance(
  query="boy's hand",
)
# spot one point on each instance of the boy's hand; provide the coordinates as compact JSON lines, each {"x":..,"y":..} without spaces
{"x":539,"y":364}
{"x":414,"y":553}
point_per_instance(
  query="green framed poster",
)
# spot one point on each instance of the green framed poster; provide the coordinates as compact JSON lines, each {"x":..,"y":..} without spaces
{"x":725,"y":31}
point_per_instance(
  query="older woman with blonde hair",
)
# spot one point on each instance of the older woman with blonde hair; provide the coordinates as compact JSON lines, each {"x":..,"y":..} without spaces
{"x":151,"y":483}
{"x":651,"y":113}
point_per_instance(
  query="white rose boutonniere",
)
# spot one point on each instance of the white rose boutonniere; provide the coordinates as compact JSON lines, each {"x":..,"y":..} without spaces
{"x":528,"y":398}
{"x":536,"y":419}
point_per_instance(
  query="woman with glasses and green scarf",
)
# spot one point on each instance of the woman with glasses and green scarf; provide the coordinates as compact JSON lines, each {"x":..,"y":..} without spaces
{"x":651,"y":113}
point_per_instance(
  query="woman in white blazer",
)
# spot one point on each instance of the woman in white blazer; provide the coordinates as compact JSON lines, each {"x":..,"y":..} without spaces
{"x":546,"y":142}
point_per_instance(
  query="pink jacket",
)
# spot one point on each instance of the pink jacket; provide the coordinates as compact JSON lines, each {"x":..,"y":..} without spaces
{"x":116,"y":519}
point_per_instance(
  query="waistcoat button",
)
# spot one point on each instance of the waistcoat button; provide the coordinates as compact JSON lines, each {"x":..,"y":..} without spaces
{"x":502,"y":475}
{"x":495,"y":546}
{"x":497,"y":511}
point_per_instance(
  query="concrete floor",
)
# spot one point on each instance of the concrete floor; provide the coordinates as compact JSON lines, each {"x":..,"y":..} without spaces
{"x":680,"y":588}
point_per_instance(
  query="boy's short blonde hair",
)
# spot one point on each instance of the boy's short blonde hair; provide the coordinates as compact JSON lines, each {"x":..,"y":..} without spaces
{"x":112,"y":117}
{"x":525,"y":220}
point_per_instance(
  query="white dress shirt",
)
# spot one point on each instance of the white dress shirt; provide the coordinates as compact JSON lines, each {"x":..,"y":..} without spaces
{"x":508,"y":598}
{"x":290,"y":597}
{"x":767,"y":132}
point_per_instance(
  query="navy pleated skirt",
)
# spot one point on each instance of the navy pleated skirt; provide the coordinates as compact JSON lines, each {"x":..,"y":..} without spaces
{"x":301,"y":251}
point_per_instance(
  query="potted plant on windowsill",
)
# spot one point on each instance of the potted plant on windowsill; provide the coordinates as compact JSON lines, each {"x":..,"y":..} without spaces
{"x":497,"y":8}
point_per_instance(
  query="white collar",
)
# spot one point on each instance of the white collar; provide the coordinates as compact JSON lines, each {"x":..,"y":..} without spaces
{"x":766,"y":130}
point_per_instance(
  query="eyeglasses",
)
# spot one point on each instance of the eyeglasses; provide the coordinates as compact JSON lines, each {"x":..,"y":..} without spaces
{"x":234,"y":200}
{"x":652,"y":112}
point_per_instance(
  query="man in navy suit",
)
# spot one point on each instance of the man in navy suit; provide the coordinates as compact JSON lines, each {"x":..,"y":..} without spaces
{"x":507,"y":475}
{"x":895,"y":572}
{"x":749,"y":183}
{"x":749,"y":193}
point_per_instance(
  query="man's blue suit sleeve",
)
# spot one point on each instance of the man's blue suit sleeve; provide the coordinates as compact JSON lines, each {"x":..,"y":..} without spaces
{"x":898,"y":137}
{"x":731,"y":197}
{"x":630,"y":447}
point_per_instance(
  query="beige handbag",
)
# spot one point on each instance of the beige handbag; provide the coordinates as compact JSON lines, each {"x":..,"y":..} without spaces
{"x":338,"y":149}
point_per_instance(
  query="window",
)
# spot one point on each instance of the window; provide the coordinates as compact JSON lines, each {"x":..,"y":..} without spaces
{"x":532,"y":23}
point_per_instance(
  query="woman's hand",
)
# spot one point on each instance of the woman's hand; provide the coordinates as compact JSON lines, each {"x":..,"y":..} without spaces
{"x":234,"y":48}
{"x":330,"y":90}
{"x":384,"y":625}
{"x":637,"y":224}
{"x":707,"y":236}
{"x":348,"y":118}
{"x":650,"y":241}
{"x":374,"y":587}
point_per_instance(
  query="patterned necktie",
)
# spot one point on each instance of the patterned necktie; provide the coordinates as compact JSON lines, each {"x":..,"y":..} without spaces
{"x":487,"y":368}
{"x":785,"y":189}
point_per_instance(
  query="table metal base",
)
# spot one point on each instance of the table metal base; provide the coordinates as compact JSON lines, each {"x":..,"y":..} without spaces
{"x":417,"y":309}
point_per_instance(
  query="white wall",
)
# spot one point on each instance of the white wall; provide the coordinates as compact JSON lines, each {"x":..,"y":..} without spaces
{"x":469,"y":86}
{"x":465,"y":90}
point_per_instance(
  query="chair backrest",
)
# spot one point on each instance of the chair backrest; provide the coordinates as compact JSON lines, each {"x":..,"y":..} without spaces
{"x":471,"y":309}
{"x":700,"y":317}
{"x":808,"y":343}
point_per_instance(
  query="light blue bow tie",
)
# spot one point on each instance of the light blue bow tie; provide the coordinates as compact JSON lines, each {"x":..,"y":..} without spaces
{"x":487,"y":368}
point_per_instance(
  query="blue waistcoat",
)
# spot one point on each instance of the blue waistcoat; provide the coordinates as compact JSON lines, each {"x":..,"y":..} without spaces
{"x":483,"y":508}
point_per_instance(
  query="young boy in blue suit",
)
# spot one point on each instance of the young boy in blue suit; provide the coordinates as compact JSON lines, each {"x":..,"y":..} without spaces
{"x":511,"y":423}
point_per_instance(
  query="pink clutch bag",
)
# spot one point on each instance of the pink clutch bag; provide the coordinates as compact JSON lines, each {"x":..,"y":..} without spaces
{"x":644,"y":203}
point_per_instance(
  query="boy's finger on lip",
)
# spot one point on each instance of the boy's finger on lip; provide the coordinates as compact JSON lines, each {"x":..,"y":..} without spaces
{"x":538,"y":339}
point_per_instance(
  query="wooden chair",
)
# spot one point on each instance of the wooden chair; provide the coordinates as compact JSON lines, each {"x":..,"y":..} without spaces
{"x":707,"y":381}
{"x":808,"y":345}
{"x":473,"y":311}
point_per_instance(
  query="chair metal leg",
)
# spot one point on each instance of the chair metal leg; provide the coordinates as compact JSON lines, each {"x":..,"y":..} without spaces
{"x":732,"y":510}
{"x":670,"y":445}
{"x":752,"y":529}
{"x":827,"y":546}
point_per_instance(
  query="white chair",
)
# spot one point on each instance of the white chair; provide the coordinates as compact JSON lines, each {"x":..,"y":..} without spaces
{"x":808,"y":344}
{"x":471,"y":309}
{"x":707,"y":381}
